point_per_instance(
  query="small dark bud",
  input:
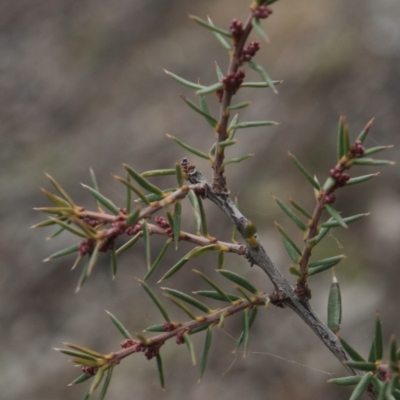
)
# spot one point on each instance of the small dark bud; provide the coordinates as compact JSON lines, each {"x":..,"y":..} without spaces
{"x":179,"y":337}
{"x":91,"y":371}
{"x":262,"y":12}
{"x":357,"y":149}
{"x":133,"y":230}
{"x":86,"y":247}
{"x":329,"y":198}
{"x":233,"y":81}
{"x":236,"y":29}
{"x":128,"y":343}
{"x":250,"y":51}
{"x":162,"y":222}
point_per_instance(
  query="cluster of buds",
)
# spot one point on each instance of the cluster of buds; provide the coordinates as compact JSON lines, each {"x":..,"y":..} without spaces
{"x":179,"y":337}
{"x":340,"y":177}
{"x":133,"y":230}
{"x":86,"y":247}
{"x":236,"y":29}
{"x":170,"y":326}
{"x":91,"y":371}
{"x":329,"y":198}
{"x":233,"y":81}
{"x":90,"y":221}
{"x":249,"y":52}
{"x":357,"y":149}
{"x":163,"y":223}
{"x":128,"y":343}
{"x":152,"y":350}
{"x":262,"y":12}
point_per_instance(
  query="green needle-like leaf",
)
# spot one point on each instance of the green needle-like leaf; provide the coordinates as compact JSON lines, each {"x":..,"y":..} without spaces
{"x":371,"y":161}
{"x":184,"y":81}
{"x":207,"y":345}
{"x":107,"y":381}
{"x":209,"y":118}
{"x":212,"y":294}
{"x":190,"y":347}
{"x":316,"y":239}
{"x":299,"y":208}
{"x":220,"y":38}
{"x":210,"y":26}
{"x":177,"y":222}
{"x":346,"y":380}
{"x":81,"y":378}
{"x":378,"y":339}
{"x":294,"y":271}
{"x":252,"y":317}
{"x":210,"y":89}
{"x":189,"y":148}
{"x":220,"y":74}
{"x":147,"y":244}
{"x":362,"y":366}
{"x":287,"y":237}
{"x":83,"y":276}
{"x":360,"y":179}
{"x":84,"y":350}
{"x":231,"y":131}
{"x":307,"y":175}
{"x":160,"y":370}
{"x":361,"y":386}
{"x":145,"y":184}
{"x":377,"y":149}
{"x":159,"y":258}
{"x":60,"y":190}
{"x":351,"y":352}
{"x":255,"y":22}
{"x":392,"y":353}
{"x":253,"y":124}
{"x":361,"y":137}
{"x":188,"y":299}
{"x":155,"y":328}
{"x":128,"y":195}
{"x":335,"y":215}
{"x":236,"y":278}
{"x":68,"y":227}
{"x":333,"y":223}
{"x":158,"y":172}
{"x":77,"y":354}
{"x":204,"y":108}
{"x":213,"y":285}
{"x":263,"y":74}
{"x":259,"y":84}
{"x":179,"y":174}
{"x":133,"y":217}
{"x":301,"y":225}
{"x":96,"y":380}
{"x":334,"y":307}
{"x":291,"y":250}
{"x":238,"y":159}
{"x":323,"y":265}
{"x":196,"y":211}
{"x":93,"y":258}
{"x":343,"y":141}
{"x":119,"y":326}
{"x":174,"y":269}
{"x":203,"y":218}
{"x":129,"y":243}
{"x":182,"y":306}
{"x":135,"y":189}
{"x":72,"y":249}
{"x":107,"y":203}
{"x":246,"y":329}
{"x":239,"y":106}
{"x":221,"y":259}
{"x":156,"y":301}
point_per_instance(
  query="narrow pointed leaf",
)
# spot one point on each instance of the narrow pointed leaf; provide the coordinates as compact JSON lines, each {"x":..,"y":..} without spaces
{"x":255,"y":22}
{"x":238,"y":159}
{"x":170,"y":220}
{"x":158,"y":172}
{"x":246,"y":329}
{"x":220,"y":74}
{"x":343,"y":141}
{"x":184,"y":82}
{"x":252,"y":317}
{"x":259,"y":84}
{"x":307,"y":175}
{"x":56,"y":233}
{"x":378,"y":339}
{"x":347,"y":220}
{"x":301,"y":225}
{"x":81,"y":378}
{"x":213,"y":285}
{"x":47,"y":222}
{"x":382,"y":390}
{"x":210,"y":26}
{"x":226,"y":143}
{"x":156,"y":301}
{"x":334,"y":307}
{"x":231,"y":131}
{"x":335,"y":215}
{"x":188,"y":299}
{"x":107,"y":381}
{"x":57,"y":210}
{"x":371,"y":161}
{"x":203,"y":218}
{"x":210,"y":89}
{"x":133,"y":217}
{"x":179,"y":174}
{"x":220,"y":38}
{"x":145,"y":184}
{"x":392,"y":353}
{"x":68,"y":227}
{"x":372,"y":352}
{"x":200,"y":250}
{"x":135,"y":189}
{"x":77,"y":354}
{"x":212,"y":294}
{"x":316,"y":239}
{"x":125,"y":333}
{"x":155,"y":328}
{"x":361,"y":386}
{"x":239,"y":106}
{"x":329,"y":184}
{"x":236,"y":278}
{"x":243,"y":292}
{"x":182,"y":306}
{"x":360,"y":179}
{"x":299,"y":208}
{"x":263,"y":74}
{"x":210,"y":119}
{"x":114,"y":263}
{"x":346,"y":380}
{"x":128,"y":195}
{"x":177,"y":222}
{"x":188,"y":148}
{"x":204,"y":108}
{"x":190,"y":347}
{"x":174,"y":269}
{"x":253,"y":124}
{"x":351,"y":352}
{"x":93,"y":258}
{"x":221,"y":259}
{"x":159,"y":258}
{"x":206,"y":350}
{"x":200,"y":328}
{"x":323,"y":265}
{"x":83,"y":349}
{"x":361,"y":137}
{"x":292,"y":251}
{"x":60,"y":190}
{"x":287,"y":237}
{"x":96,"y":380}
{"x":147,"y":248}
{"x":83,"y":275}
{"x":107,"y":203}
{"x":129,"y":243}
{"x":196,"y":211}
{"x":294,"y":271}
{"x":94,"y":184}
{"x":77,"y":261}
{"x":377,"y":149}
{"x":160,"y":371}
{"x":362,"y":366}
{"x":71,"y":249}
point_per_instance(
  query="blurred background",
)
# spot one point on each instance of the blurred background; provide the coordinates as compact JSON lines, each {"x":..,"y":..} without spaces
{"x":82,"y":85}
